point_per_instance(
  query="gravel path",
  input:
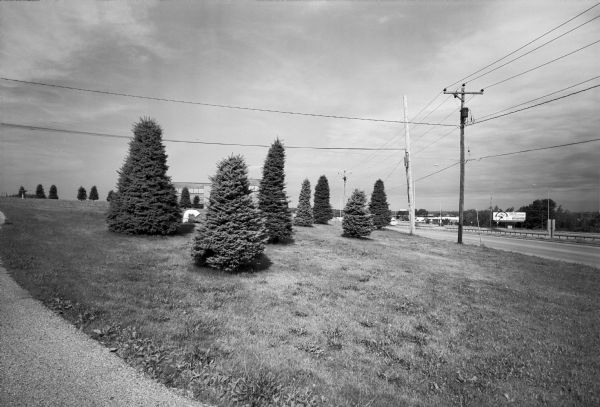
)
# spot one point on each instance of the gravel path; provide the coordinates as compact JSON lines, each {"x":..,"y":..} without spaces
{"x":45,"y":361}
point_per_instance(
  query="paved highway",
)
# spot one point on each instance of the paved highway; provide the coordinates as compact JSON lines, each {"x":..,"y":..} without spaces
{"x":570,"y":252}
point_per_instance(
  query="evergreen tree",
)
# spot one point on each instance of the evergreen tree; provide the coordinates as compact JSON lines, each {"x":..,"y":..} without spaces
{"x":81,"y":194}
{"x":196,"y":203}
{"x":22,"y":192}
{"x":110,"y":195}
{"x":379,"y":206}
{"x":53,"y":193}
{"x":234,"y":232}
{"x":304,"y":213}
{"x":39,"y":192}
{"x":184,"y":201}
{"x":145,"y":201}
{"x":321,"y":207}
{"x":272,"y":200}
{"x":93,"y":194}
{"x":358,"y":222}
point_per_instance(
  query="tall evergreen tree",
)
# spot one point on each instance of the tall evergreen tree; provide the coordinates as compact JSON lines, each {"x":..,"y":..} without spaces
{"x":110,"y":195}
{"x":81,"y":194}
{"x":379,"y":207}
{"x":321,"y":207}
{"x":358,"y":222}
{"x":93,"y":194}
{"x":272,"y":200}
{"x":39,"y":192}
{"x":184,"y":201}
{"x":196,"y":203}
{"x":304,"y":213}
{"x":234,"y":232}
{"x":22,"y":192}
{"x":53,"y":193}
{"x":145,"y":201}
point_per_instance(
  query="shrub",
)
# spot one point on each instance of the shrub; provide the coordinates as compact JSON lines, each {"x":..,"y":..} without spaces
{"x":322,"y":208}
{"x":196,"y":203}
{"x":110,"y":195}
{"x":145,"y":201}
{"x":272,"y":200}
{"x":234,"y":232}
{"x":304,"y":213}
{"x":184,"y":201}
{"x":22,"y":192}
{"x":358,"y":222}
{"x":93,"y":194}
{"x":53,"y":193}
{"x":81,"y":194}
{"x":379,"y":206}
{"x":39,"y":192}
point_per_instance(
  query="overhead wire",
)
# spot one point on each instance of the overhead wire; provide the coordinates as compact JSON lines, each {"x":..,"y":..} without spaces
{"x":524,"y":46}
{"x":216,"y":104}
{"x":107,"y":135}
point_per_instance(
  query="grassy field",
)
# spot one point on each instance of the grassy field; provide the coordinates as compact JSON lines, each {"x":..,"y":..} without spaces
{"x":387,"y":321}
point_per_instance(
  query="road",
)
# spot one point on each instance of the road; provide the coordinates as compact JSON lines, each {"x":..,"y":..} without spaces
{"x":569,"y":252}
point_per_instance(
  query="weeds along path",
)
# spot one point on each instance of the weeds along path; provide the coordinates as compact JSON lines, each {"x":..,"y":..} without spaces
{"x":45,"y":361}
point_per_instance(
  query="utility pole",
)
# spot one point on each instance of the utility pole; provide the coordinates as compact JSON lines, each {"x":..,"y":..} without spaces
{"x":464,"y":113}
{"x":344,"y":177}
{"x":409,"y":181}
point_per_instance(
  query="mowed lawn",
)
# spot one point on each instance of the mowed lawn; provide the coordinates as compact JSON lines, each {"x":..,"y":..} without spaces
{"x":387,"y":321}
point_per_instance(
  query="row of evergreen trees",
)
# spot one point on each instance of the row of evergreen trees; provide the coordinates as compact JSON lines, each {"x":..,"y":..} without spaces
{"x":236,"y":229}
{"x":82,"y":194}
{"x":53,"y":193}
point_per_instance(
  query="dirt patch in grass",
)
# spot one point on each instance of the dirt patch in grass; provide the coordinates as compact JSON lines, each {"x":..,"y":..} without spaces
{"x":392,"y":320}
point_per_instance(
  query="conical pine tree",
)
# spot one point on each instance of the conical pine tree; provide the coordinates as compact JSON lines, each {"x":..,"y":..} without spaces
{"x":53,"y":193}
{"x":272,"y":200}
{"x":81,"y":194}
{"x":22,"y":192}
{"x":93,"y":194}
{"x":234,"y":232}
{"x":184,"y":200}
{"x":304,"y":213}
{"x":322,"y":211}
{"x":39,"y":192}
{"x":145,"y":201}
{"x":379,"y":207}
{"x":358,"y":222}
{"x":196,"y":203}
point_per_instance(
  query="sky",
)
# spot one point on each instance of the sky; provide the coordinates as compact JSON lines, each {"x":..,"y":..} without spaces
{"x":336,"y":58}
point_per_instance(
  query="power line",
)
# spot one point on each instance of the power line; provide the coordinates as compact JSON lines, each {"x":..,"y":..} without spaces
{"x":533,"y":50}
{"x":542,"y":65}
{"x":541,"y":97}
{"x":510,"y":153}
{"x":520,"y":48}
{"x":536,"y":105}
{"x":95,"y":134}
{"x":217,"y":105}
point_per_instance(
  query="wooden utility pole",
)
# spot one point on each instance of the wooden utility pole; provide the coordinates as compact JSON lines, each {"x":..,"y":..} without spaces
{"x":464,"y":113}
{"x":345,"y":178}
{"x":409,"y":181}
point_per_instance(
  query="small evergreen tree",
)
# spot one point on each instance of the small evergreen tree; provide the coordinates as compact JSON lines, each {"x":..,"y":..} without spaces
{"x":53,"y":193}
{"x":358,"y":222}
{"x":81,"y":194}
{"x":39,"y":192}
{"x":379,"y":206}
{"x":93,"y":194}
{"x":110,"y":195}
{"x":304,"y":213}
{"x":184,"y":201}
{"x":234,"y":232}
{"x":272,"y":200}
{"x":322,"y":211}
{"x":145,"y":201}
{"x":22,"y":192}
{"x":196,"y":203}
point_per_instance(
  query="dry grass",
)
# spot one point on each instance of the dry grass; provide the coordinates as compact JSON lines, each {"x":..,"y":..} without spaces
{"x":391,"y":320}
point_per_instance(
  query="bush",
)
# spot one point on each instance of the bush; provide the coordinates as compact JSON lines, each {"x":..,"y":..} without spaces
{"x":145,"y":201}
{"x":234,"y":232}
{"x":93,"y":194}
{"x":379,"y":206}
{"x":322,"y":208}
{"x":81,"y":194}
{"x":272,"y":200}
{"x":53,"y":193}
{"x":358,"y":222}
{"x":184,"y":201}
{"x":196,"y":204}
{"x":304,"y":213}
{"x":39,"y":192}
